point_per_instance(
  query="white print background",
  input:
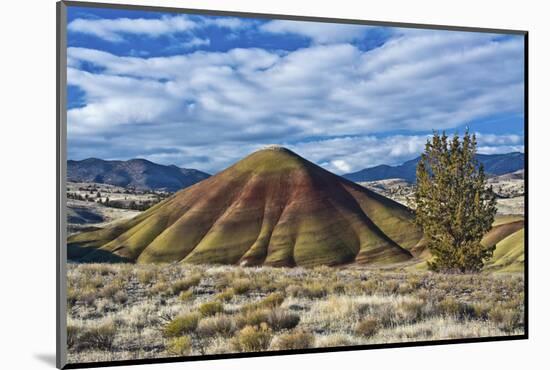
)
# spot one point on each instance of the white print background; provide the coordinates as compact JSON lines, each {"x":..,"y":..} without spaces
{"x":27,"y":318}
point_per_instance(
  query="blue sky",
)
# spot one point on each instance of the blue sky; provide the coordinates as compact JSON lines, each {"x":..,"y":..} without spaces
{"x":203,"y":91}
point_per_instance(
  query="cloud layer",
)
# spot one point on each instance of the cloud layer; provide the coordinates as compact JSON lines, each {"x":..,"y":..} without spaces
{"x":334,"y":102}
{"x":114,"y":30}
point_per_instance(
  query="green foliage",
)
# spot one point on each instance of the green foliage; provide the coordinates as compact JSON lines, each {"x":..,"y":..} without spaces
{"x":454,"y":206}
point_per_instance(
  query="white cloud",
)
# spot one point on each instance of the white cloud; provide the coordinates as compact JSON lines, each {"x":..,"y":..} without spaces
{"x":321,"y":33}
{"x":113,"y":30}
{"x":341,"y":165}
{"x":195,"y":42}
{"x":349,"y":154}
{"x":492,"y":139}
{"x":211,"y":108}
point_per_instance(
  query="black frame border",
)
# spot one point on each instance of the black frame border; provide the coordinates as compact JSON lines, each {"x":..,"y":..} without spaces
{"x":61,"y":120}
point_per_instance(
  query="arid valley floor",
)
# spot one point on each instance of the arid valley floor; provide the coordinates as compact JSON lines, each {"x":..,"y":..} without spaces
{"x":125,"y":311}
{"x":197,"y":271}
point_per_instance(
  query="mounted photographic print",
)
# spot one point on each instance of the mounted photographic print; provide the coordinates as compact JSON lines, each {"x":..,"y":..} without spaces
{"x":235,"y":184}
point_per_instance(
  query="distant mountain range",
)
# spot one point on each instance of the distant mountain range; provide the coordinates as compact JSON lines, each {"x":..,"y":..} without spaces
{"x":494,"y":164}
{"x":137,"y":173}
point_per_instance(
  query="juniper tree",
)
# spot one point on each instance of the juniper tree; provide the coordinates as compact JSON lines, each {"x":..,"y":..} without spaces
{"x":454,"y":205}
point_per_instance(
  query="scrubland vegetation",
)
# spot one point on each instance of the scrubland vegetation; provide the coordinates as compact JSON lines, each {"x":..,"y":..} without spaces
{"x":124,"y":311}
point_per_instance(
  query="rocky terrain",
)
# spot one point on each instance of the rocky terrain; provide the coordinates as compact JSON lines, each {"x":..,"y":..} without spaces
{"x":509,"y":189}
{"x":91,"y":206}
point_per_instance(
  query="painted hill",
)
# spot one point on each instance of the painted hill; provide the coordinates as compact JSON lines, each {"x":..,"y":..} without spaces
{"x":508,"y":235}
{"x":271,"y":208}
{"x":137,"y":173}
{"x":494,"y":164}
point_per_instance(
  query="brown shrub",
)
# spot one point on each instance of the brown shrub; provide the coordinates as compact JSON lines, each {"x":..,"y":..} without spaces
{"x":410,"y":311}
{"x":251,"y":317}
{"x":367,"y":327}
{"x":222,"y":325}
{"x":99,"y":337}
{"x":506,"y":319}
{"x":294,"y":340}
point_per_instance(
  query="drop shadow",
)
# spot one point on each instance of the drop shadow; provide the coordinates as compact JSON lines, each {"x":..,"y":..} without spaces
{"x":46,"y":358}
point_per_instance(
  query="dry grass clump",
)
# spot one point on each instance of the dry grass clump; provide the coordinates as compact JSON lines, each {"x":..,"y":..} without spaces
{"x":506,"y":318}
{"x":453,"y":307}
{"x":271,"y":301}
{"x":253,"y":338}
{"x":294,"y":340}
{"x":279,"y":319}
{"x":97,"y":337}
{"x":179,"y":346}
{"x":367,"y":327}
{"x":183,"y":324}
{"x":184,"y":284}
{"x":211,"y":308}
{"x":146,"y":277}
{"x":186,"y":295}
{"x":226,"y":295}
{"x":110,"y":289}
{"x":160,"y":288}
{"x":409,"y":311}
{"x":219,"y":325}
{"x":251,"y":318}
{"x":311,"y":290}
{"x":335,"y":340}
{"x":242,"y":286}
{"x":72,"y":335}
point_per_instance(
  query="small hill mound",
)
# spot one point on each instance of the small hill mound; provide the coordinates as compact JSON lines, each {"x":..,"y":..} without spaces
{"x":271,"y":208}
{"x":509,"y":255}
